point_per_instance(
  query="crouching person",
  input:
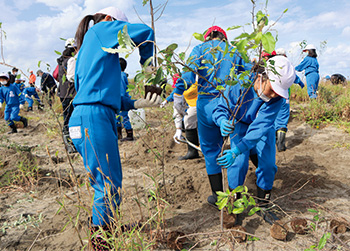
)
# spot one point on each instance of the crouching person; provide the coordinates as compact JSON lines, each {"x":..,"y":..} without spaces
{"x":254,"y":131}
{"x":30,"y":93}
{"x":14,"y":101}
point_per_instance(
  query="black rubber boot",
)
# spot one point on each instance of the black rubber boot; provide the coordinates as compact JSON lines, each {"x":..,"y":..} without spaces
{"x":281,"y":139}
{"x":68,"y":141}
{"x":266,"y":212}
{"x":14,"y":129}
{"x":192,"y":153}
{"x":215,"y":181}
{"x":129,"y":135}
{"x":120,"y":133}
{"x":30,"y":109}
{"x":24,"y":121}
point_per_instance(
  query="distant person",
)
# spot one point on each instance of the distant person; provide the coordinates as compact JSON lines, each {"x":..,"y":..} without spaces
{"x":32,"y":78}
{"x":20,"y":83}
{"x":30,"y":93}
{"x":48,"y":84}
{"x":66,"y":90}
{"x":13,"y":75}
{"x":337,"y":79}
{"x":124,"y":120}
{"x":310,"y":65}
{"x":14,"y":101}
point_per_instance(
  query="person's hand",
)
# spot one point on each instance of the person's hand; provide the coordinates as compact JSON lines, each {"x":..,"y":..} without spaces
{"x":21,"y":106}
{"x":0,"y":105}
{"x":179,"y":104}
{"x":178,"y":135}
{"x":228,"y":157}
{"x":148,"y":101}
{"x":162,"y":105}
{"x":226,"y":127}
{"x":26,"y":96}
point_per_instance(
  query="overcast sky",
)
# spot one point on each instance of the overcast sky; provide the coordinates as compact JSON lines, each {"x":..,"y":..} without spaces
{"x":34,"y":27}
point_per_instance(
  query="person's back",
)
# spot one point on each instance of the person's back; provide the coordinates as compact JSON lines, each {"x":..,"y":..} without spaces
{"x":66,"y":88}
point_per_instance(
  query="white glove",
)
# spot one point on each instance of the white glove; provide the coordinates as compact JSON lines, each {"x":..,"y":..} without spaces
{"x":178,"y":135}
{"x":0,"y":105}
{"x":179,"y":104}
{"x":21,"y":106}
{"x":148,"y":101}
{"x":32,"y":97}
{"x":162,"y":105}
{"x":26,"y":96}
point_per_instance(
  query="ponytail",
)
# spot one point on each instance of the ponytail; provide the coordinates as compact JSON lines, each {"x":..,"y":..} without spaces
{"x":84,"y":26}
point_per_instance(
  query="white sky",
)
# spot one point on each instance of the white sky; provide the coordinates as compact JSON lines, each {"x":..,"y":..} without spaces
{"x":34,"y":27}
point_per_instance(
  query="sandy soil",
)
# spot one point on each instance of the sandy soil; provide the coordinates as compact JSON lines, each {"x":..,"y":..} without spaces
{"x":313,"y":173}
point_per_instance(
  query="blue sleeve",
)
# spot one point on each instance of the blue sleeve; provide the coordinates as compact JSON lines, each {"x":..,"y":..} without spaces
{"x":140,"y":33}
{"x":127,"y":103}
{"x":25,"y":91}
{"x":261,"y":125}
{"x":1,"y":96}
{"x":298,"y":81}
{"x":222,"y":111}
{"x":303,"y":65}
{"x":170,"y":98}
{"x":188,"y":78}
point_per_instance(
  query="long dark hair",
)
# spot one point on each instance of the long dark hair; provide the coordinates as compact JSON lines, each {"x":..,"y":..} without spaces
{"x":312,"y":53}
{"x":84,"y":26}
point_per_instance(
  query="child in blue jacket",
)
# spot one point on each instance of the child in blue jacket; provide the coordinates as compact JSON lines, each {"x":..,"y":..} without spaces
{"x":14,"y":101}
{"x":209,"y":133}
{"x":92,"y":126}
{"x":310,"y":65}
{"x":254,"y":130}
{"x":30,"y":92}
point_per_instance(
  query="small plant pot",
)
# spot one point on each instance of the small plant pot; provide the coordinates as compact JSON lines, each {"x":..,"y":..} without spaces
{"x":299,"y":225}
{"x":278,"y":231}
{"x":153,"y":89}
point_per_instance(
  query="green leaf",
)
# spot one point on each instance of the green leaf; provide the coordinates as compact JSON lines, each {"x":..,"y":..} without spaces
{"x":222,"y":194}
{"x":182,"y":56}
{"x":234,"y":27}
{"x":254,"y":210}
{"x":312,"y":210}
{"x":144,"y":2}
{"x":252,"y":201}
{"x":114,"y":51}
{"x":220,"y":88}
{"x":231,"y":82}
{"x":285,"y":10}
{"x":241,"y":45}
{"x":238,"y":210}
{"x":268,"y":42}
{"x":64,"y":78}
{"x":159,"y":76}
{"x":39,"y":63}
{"x":221,"y":204}
{"x":238,"y":189}
{"x":198,"y":36}
{"x":58,"y":53}
{"x":139,"y":77}
{"x":258,"y":37}
{"x":323,"y":241}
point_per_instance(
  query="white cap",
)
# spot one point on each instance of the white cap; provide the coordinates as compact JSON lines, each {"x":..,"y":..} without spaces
{"x":114,"y":12}
{"x":281,"y":74}
{"x":280,"y":51}
{"x":70,"y":42}
{"x":4,"y":75}
{"x":310,"y":47}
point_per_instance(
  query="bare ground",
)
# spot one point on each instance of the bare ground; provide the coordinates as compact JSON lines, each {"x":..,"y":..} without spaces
{"x":313,"y":173}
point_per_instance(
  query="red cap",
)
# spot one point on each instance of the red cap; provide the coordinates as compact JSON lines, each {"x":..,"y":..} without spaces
{"x":265,"y":54}
{"x":175,"y":78}
{"x":214,"y":28}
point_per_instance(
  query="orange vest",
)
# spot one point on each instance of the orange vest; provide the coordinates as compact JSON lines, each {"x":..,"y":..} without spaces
{"x":32,"y":78}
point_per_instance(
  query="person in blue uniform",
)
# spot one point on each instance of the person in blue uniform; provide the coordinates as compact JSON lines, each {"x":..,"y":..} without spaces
{"x":283,"y":115}
{"x":209,"y":133}
{"x":29,"y":93}
{"x":310,"y":65}
{"x":254,"y":130}
{"x":92,"y":126}
{"x":20,"y":83}
{"x":124,"y":120}
{"x":14,"y":101}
